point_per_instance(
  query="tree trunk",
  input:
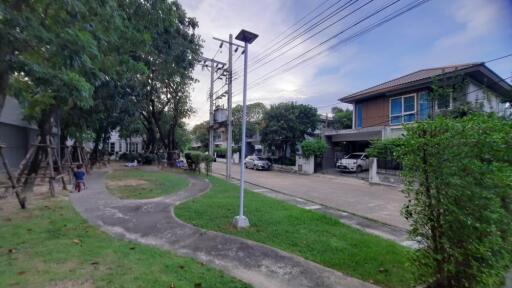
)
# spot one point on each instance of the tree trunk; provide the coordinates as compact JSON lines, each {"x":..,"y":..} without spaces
{"x":96,"y":147}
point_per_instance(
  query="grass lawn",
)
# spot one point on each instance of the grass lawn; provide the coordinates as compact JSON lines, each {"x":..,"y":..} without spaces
{"x":312,"y":235}
{"x":52,"y":246}
{"x":140,"y":184}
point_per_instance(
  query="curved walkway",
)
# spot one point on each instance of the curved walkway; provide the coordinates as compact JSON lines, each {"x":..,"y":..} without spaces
{"x":153,"y":222}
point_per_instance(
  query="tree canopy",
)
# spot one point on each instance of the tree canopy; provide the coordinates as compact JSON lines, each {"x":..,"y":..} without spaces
{"x":342,"y":118}
{"x":200,"y":134}
{"x":254,"y":117}
{"x":287,"y":124}
{"x":96,"y":66}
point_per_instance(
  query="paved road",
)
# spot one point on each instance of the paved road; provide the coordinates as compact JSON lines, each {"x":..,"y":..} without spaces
{"x":153,"y":222}
{"x":377,"y":202}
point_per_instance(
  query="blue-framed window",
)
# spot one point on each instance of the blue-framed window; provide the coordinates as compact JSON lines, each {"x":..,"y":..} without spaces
{"x":424,"y":106}
{"x":359,"y":116}
{"x":402,"y":109}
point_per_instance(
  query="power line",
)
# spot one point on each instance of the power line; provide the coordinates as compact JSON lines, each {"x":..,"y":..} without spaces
{"x":326,"y":41}
{"x":314,"y":34}
{"x":309,"y":28}
{"x":295,"y":24}
{"x":356,"y":35}
{"x":307,"y":22}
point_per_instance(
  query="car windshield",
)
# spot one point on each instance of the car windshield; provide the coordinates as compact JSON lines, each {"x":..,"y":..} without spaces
{"x":354,"y":156}
{"x":260,"y":158}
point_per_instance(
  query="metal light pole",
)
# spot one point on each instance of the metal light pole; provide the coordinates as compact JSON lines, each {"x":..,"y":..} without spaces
{"x":247,"y":37}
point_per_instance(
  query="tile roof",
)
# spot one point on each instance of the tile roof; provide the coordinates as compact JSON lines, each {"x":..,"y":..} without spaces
{"x":404,"y":81}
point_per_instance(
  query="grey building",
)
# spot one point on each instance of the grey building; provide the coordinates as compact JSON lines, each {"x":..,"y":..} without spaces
{"x":15,"y":133}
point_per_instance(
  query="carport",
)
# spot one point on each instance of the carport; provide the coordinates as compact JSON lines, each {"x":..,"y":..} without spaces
{"x":343,"y":142}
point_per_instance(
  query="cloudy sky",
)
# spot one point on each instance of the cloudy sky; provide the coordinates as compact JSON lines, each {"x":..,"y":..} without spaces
{"x":437,"y":33}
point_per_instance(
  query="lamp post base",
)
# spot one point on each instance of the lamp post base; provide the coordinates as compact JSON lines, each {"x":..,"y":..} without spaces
{"x":240,"y":222}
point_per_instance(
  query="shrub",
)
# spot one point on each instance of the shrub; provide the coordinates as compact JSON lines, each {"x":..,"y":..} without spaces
{"x":194,"y":159}
{"x":207,"y":160}
{"x":457,"y":177}
{"x":313,"y":147}
{"x":148,"y":159}
{"x":220,"y":151}
{"x":128,"y":157}
{"x":384,"y":149}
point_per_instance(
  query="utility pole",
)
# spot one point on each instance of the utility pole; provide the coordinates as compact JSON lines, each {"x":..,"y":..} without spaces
{"x":210,"y":129}
{"x":230,"y":104}
{"x":229,"y":156}
{"x":213,"y":64}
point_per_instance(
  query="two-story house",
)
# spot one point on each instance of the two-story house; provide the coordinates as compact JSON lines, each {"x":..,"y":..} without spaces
{"x":380,"y":112}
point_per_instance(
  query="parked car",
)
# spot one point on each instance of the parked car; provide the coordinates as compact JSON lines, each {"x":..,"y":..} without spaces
{"x":257,"y":163}
{"x":355,"y":162}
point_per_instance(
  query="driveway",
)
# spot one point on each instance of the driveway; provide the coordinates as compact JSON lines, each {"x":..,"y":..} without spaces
{"x":377,"y":202}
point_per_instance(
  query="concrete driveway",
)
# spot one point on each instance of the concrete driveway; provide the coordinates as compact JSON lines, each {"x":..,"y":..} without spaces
{"x":377,"y":202}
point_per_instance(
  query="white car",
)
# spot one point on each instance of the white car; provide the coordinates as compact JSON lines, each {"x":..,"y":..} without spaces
{"x":257,"y":163}
{"x":355,"y":162}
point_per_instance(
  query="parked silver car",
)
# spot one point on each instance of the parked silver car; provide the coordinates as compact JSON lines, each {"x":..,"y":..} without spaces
{"x":355,"y":162}
{"x":257,"y":163}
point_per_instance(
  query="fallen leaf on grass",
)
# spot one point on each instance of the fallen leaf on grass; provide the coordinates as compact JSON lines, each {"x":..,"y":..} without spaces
{"x":76,"y":241}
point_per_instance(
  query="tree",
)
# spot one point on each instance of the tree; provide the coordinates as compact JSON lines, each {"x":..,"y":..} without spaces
{"x":286,"y":124}
{"x":52,"y":61}
{"x":171,"y":56}
{"x":457,"y":175}
{"x":342,"y":118}
{"x":255,"y":112}
{"x":200,"y":134}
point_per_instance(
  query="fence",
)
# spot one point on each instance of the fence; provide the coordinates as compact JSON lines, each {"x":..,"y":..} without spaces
{"x":388,"y":166}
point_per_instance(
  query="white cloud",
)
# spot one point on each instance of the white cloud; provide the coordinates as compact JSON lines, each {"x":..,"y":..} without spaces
{"x":478,"y":18}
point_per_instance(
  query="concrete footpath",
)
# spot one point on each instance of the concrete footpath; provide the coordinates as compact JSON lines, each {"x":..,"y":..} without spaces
{"x":153,"y":222}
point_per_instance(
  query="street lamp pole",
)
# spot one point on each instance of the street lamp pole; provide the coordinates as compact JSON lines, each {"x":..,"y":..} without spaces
{"x":247,"y":37}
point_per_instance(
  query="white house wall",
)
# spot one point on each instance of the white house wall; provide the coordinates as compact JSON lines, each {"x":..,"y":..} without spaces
{"x":476,"y":94}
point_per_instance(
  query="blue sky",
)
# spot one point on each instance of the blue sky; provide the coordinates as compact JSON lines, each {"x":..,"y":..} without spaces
{"x":438,"y":33}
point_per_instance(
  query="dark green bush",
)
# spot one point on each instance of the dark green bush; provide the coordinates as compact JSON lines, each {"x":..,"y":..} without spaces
{"x":313,"y":147}
{"x":129,"y":157}
{"x":384,"y":149}
{"x":221,"y":152}
{"x":148,"y":159}
{"x":457,"y":176}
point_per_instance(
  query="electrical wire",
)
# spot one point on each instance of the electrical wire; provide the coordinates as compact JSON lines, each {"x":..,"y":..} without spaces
{"x":368,"y":29}
{"x":308,"y":29}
